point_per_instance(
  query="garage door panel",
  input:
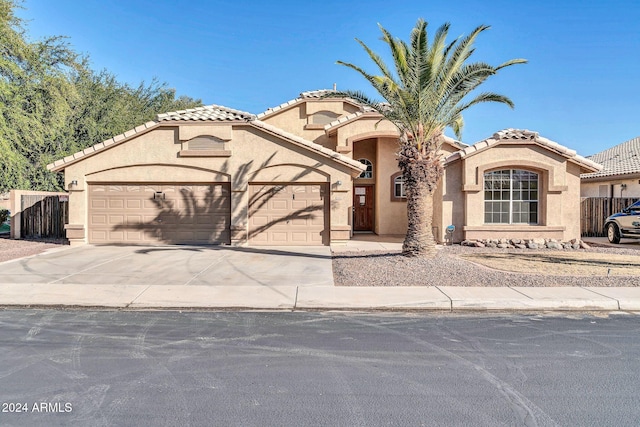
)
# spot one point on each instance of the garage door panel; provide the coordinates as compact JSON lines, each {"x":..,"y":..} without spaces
{"x":98,"y":203}
{"x":135,"y":213}
{"x":98,"y":219}
{"x":287,"y":215}
{"x":134,"y":235}
{"x":300,"y":237}
{"x":259,"y":220}
{"x":134,"y":204}
{"x":97,"y":236}
{"x":279,"y":236}
{"x":115,"y":219}
{"x":279,"y":205}
{"x":299,"y":204}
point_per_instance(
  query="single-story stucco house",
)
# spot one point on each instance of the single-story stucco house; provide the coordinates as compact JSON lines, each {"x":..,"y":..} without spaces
{"x":620,"y":174}
{"x":311,"y":171}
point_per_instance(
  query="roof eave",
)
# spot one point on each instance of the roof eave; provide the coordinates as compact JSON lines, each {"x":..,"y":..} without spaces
{"x":312,"y":146}
{"x":61,"y":164}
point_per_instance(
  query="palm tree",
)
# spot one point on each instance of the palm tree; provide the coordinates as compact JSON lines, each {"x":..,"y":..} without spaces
{"x":428,"y":94}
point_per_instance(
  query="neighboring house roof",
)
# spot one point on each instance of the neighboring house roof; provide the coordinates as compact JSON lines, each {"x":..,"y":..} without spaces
{"x":206,"y":113}
{"x":529,"y":136}
{"x":622,"y":159}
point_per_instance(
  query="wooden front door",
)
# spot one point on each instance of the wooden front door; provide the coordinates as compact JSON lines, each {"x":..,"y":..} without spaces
{"x":363,"y":207}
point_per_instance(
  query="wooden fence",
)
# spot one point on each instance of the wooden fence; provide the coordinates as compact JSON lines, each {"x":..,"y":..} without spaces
{"x":594,"y":210}
{"x":43,"y":216}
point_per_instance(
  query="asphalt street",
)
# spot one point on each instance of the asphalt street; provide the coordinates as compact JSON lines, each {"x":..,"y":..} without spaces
{"x":99,"y":368}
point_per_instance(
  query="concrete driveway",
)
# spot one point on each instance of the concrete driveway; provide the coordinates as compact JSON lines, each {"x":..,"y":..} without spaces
{"x":175,"y":265}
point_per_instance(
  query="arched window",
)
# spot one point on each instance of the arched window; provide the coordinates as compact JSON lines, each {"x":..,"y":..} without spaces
{"x":511,"y":197}
{"x":397,"y":191}
{"x":398,"y":187}
{"x":368,"y":173}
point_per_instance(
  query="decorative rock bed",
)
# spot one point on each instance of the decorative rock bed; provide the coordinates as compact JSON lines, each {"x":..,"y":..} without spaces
{"x":538,"y":243}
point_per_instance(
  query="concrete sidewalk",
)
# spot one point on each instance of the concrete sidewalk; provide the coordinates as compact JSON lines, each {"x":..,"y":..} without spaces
{"x":305,"y":290}
{"x":440,"y":298}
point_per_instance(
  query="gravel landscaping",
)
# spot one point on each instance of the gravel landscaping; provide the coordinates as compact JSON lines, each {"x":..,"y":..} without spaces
{"x":12,"y":248}
{"x":449,"y":269}
{"x":393,"y":269}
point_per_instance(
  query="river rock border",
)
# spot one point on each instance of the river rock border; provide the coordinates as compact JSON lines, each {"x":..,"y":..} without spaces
{"x":538,"y":243}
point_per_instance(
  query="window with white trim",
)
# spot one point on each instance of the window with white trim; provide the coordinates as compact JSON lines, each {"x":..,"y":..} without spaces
{"x":368,"y":173}
{"x":511,"y":197}
{"x":398,"y":187}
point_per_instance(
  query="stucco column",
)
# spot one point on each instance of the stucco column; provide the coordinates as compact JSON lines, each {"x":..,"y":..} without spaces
{"x":340,"y":211}
{"x":239,"y":217}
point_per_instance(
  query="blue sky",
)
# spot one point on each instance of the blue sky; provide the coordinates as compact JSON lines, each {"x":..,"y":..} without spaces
{"x":580,"y":88}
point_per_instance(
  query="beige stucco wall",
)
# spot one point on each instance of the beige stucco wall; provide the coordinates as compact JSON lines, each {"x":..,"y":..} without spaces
{"x":559,"y":201}
{"x":451,"y":209}
{"x":391,"y":216}
{"x":366,"y":126}
{"x":297,"y":119}
{"x":629,"y":186}
{"x":256,"y":156}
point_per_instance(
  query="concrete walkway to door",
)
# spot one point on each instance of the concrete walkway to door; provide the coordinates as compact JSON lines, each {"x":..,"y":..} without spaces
{"x":175,"y":266}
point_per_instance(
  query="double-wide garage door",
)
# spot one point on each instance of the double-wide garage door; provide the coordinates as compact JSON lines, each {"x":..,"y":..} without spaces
{"x":292,"y":214}
{"x":142,"y":213}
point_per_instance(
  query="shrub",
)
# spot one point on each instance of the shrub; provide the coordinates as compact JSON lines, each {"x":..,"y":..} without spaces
{"x":4,"y":215}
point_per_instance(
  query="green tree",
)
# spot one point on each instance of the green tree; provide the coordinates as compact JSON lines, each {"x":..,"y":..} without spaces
{"x":431,"y":87}
{"x":53,"y":104}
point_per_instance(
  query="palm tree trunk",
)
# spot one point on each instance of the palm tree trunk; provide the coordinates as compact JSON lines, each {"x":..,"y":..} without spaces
{"x":419,"y":240}
{"x":422,"y":171}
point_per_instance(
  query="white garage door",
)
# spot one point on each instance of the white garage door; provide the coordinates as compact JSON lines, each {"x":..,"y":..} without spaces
{"x":142,"y":213}
{"x":290,"y":214}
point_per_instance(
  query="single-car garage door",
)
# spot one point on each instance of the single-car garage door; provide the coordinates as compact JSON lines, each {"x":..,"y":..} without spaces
{"x":293,"y":214}
{"x":143,"y":213}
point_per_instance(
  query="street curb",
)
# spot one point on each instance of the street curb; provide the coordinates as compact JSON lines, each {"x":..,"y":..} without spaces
{"x":441,"y":299}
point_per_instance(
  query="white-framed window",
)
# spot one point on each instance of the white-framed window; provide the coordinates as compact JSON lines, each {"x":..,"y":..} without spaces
{"x":368,"y":173}
{"x":511,"y":196}
{"x":398,"y":187}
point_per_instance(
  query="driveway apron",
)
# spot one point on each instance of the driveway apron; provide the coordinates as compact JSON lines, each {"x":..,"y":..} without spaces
{"x":175,"y":266}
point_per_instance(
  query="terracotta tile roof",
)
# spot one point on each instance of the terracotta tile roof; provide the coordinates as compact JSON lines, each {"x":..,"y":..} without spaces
{"x":206,"y":113}
{"x":312,"y":145}
{"x":312,"y":94}
{"x":300,"y":98}
{"x":621,"y":159}
{"x":518,"y":135}
{"x":316,"y":93}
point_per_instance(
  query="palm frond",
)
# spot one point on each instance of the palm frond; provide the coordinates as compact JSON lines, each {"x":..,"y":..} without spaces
{"x":432,"y":82}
